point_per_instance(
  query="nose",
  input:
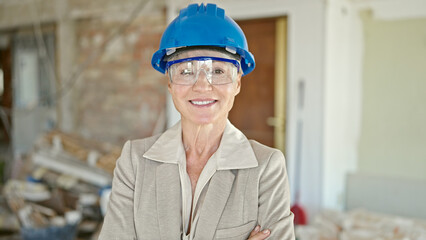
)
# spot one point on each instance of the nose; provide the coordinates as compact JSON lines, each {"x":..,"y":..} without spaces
{"x":202,"y":81}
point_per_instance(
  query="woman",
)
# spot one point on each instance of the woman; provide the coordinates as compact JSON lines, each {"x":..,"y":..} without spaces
{"x":201,"y":179}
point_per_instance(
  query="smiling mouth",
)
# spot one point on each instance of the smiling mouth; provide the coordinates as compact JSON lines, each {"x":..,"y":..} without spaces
{"x":202,"y":103}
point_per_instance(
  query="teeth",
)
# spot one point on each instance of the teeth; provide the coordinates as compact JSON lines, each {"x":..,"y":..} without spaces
{"x":202,"y":102}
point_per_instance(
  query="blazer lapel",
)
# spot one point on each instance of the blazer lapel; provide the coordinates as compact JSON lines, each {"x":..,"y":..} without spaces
{"x":216,"y":197}
{"x":169,"y":200}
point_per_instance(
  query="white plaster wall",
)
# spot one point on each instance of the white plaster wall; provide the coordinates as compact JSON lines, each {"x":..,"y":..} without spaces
{"x":393,"y":132}
{"x":305,"y":59}
{"x":343,"y":85}
{"x":393,"y":9}
{"x":342,"y":98}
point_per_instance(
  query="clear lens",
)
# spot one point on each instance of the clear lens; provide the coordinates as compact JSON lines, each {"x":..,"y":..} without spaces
{"x":188,"y":72}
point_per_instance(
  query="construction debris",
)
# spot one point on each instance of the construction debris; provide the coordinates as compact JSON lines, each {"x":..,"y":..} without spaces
{"x":59,"y":196}
{"x":361,"y":225}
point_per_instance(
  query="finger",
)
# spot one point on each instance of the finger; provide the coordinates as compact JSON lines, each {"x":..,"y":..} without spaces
{"x":261,"y":235}
{"x":255,"y":230}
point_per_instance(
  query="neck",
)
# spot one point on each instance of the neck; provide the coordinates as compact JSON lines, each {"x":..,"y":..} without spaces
{"x":202,"y":140}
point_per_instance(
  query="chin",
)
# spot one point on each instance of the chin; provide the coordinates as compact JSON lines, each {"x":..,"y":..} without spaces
{"x":202,"y":121}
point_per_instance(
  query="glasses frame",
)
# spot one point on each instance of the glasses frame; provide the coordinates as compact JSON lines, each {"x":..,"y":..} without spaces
{"x":236,"y":63}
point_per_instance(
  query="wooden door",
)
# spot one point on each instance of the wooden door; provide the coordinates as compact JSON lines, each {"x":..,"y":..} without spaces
{"x":259,"y":109}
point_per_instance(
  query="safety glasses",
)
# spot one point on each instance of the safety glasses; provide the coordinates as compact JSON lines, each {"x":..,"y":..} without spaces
{"x":217,"y":70}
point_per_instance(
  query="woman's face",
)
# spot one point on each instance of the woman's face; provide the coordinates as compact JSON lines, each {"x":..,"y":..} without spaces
{"x":203,"y":103}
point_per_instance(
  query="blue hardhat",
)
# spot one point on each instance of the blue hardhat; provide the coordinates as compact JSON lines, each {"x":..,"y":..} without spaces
{"x":203,"y":25}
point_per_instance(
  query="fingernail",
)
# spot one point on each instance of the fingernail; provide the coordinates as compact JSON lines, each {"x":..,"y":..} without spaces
{"x":257,"y":228}
{"x":266,"y":231}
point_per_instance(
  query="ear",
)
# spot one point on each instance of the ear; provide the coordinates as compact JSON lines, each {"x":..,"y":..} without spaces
{"x":238,"y":86}
{"x":169,"y":86}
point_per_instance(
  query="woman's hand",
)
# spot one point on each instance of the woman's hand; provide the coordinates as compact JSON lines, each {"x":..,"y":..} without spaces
{"x":256,"y":234}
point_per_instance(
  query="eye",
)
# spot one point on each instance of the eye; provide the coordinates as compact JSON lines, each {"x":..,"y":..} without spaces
{"x":186,"y":71}
{"x":218,"y":71}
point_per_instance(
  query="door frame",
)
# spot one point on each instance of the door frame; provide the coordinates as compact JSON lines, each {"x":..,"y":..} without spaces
{"x":280,"y":83}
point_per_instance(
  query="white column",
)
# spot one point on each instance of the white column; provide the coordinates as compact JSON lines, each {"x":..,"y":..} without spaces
{"x":342,"y":99}
{"x":66,"y":62}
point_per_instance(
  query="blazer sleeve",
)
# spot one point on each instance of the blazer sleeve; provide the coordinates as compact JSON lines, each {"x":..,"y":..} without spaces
{"x":118,"y":221}
{"x":274,"y":199}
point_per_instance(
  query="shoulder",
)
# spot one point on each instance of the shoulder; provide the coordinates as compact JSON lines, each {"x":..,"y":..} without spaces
{"x":265,"y":154}
{"x":132,"y":153}
{"x":140,"y":146}
{"x":133,"y":150}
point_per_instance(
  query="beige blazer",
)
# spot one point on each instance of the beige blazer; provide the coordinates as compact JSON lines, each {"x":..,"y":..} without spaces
{"x":250,"y":187}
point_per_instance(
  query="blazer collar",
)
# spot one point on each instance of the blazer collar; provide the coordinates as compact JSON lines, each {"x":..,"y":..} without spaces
{"x":234,"y":152}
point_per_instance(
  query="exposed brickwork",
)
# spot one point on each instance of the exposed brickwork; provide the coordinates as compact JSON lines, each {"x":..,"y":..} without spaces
{"x":120,"y":96}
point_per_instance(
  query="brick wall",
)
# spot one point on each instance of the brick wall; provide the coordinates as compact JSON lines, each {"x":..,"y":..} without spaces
{"x":120,"y":96}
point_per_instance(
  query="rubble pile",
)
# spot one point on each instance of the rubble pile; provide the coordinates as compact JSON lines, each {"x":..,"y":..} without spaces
{"x":361,"y":225}
{"x":62,"y":190}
